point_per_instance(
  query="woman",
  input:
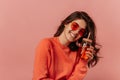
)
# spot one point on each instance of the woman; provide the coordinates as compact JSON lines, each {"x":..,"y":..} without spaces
{"x":59,"y":57}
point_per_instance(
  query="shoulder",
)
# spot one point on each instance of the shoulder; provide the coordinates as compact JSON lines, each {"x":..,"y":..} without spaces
{"x":46,"y":41}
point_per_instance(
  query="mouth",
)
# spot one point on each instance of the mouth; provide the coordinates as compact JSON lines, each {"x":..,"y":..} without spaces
{"x":72,"y":35}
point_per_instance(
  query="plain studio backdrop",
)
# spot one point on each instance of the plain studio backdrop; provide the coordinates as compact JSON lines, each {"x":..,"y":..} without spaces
{"x":23,"y":23}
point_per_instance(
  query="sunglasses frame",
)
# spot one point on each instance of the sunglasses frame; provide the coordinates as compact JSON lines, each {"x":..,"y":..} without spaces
{"x":75,"y":26}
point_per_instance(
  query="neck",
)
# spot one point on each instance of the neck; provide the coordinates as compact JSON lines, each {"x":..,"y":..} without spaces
{"x":63,"y":40}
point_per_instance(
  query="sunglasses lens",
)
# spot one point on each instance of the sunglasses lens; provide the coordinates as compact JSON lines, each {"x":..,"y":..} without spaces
{"x":74,"y":26}
{"x":81,"y":32}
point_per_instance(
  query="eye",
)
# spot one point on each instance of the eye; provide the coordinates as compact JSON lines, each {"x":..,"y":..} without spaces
{"x":74,"y":26}
{"x":81,"y":32}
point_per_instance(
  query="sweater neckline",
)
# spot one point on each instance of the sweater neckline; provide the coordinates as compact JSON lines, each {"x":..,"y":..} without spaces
{"x":62,"y":46}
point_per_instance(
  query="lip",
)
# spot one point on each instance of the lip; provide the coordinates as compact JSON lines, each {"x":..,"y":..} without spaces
{"x":72,"y":35}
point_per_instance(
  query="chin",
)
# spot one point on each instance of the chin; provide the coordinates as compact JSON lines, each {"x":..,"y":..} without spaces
{"x":71,"y":40}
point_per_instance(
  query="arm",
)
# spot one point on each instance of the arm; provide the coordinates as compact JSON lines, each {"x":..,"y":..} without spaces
{"x":80,"y":71}
{"x":41,"y":59}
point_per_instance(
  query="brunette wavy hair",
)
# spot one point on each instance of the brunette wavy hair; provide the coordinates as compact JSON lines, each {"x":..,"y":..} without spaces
{"x":90,"y":27}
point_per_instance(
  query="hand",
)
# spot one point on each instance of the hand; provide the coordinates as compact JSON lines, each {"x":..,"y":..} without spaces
{"x":90,"y":50}
{"x":87,"y":53}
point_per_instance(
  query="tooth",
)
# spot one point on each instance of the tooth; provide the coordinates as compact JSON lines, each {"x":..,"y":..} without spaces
{"x":72,"y":35}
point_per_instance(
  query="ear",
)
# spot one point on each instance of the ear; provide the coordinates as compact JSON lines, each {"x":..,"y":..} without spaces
{"x":65,"y":25}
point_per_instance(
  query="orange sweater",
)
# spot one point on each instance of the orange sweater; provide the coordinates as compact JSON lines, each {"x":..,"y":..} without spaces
{"x":54,"y":61}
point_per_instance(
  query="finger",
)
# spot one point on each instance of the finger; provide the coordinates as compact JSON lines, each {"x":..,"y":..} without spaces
{"x":91,"y":47}
{"x":78,"y":44}
{"x":90,"y":50}
{"x":88,"y":40}
{"x":89,"y":55}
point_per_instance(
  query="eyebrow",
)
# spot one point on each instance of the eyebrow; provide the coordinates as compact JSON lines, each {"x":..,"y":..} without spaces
{"x":81,"y":27}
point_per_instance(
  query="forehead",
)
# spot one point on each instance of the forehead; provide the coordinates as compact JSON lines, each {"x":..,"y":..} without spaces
{"x":80,"y":22}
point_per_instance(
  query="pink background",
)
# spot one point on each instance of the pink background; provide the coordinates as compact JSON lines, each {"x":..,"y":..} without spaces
{"x":24,"y":22}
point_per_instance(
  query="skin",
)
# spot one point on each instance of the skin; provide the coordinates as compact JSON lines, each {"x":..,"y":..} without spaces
{"x":68,"y":36}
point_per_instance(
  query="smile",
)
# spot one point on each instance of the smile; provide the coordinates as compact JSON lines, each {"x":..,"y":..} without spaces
{"x":72,"y":35}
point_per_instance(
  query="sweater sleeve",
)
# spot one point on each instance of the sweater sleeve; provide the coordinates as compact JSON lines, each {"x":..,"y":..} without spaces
{"x":79,"y":71}
{"x":40,"y":71}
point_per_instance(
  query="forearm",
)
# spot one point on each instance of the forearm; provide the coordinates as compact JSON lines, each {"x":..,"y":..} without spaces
{"x":79,"y":72}
{"x":40,"y":71}
{"x":42,"y":79}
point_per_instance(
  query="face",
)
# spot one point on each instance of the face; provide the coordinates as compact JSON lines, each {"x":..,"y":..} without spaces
{"x":74,"y":30}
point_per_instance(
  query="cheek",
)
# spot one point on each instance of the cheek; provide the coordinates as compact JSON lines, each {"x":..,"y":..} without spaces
{"x":67,"y":29}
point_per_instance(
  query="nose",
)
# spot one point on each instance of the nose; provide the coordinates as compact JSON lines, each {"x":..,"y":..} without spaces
{"x":76,"y":32}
